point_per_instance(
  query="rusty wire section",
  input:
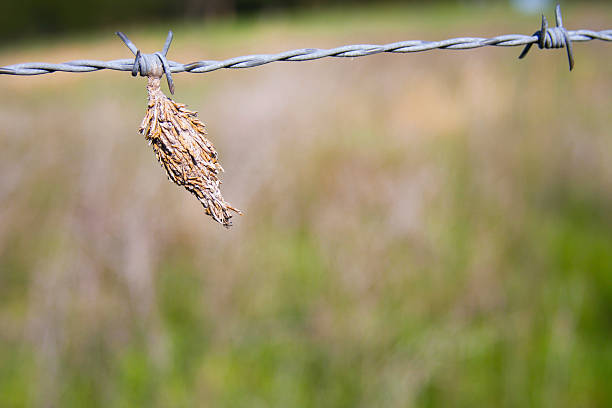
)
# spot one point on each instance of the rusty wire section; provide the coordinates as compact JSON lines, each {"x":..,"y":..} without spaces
{"x":545,"y":38}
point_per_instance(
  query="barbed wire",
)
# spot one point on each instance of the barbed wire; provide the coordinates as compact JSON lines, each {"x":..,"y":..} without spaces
{"x":303,"y":54}
{"x":545,"y":38}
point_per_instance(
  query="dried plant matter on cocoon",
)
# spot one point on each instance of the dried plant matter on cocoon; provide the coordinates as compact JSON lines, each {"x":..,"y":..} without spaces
{"x":179,"y":141}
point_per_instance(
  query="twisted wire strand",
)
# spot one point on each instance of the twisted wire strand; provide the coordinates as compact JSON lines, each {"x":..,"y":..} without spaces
{"x":304,"y":54}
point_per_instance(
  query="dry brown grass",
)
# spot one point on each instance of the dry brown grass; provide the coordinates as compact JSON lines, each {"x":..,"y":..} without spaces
{"x":190,"y":160}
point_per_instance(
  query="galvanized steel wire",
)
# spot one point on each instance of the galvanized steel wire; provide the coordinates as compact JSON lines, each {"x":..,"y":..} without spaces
{"x":556,"y":37}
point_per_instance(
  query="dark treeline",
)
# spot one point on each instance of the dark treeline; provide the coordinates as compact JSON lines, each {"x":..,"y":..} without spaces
{"x":20,"y":18}
{"x":26,"y":18}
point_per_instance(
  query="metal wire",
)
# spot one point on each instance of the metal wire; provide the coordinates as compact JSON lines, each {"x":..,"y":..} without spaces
{"x":556,"y":37}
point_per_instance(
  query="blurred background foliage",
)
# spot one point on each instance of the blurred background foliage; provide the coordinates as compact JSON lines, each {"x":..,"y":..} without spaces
{"x":42,"y":17}
{"x":424,"y":230}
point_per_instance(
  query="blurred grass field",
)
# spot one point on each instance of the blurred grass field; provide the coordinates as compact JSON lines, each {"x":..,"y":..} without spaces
{"x":425,"y":230}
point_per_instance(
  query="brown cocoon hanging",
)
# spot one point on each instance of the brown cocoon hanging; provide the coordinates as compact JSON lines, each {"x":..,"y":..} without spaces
{"x":178,"y":139}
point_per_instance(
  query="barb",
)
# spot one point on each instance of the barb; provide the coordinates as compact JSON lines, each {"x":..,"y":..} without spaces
{"x":150,"y":64}
{"x":556,"y":37}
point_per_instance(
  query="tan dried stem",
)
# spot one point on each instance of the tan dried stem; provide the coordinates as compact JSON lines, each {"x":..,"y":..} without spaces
{"x":178,"y":139}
